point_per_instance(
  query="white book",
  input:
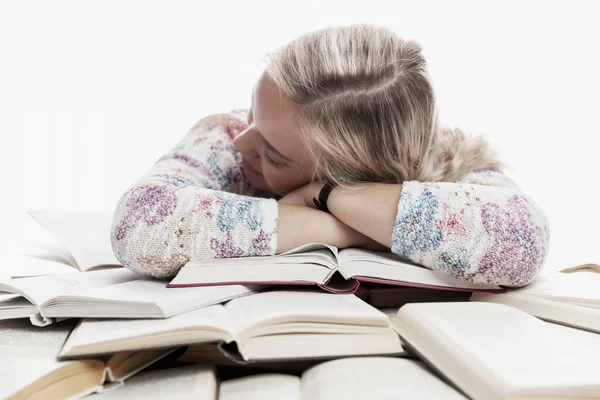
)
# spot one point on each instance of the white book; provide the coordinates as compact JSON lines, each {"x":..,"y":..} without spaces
{"x":332,"y":269}
{"x":494,"y":351}
{"x":112,"y":293}
{"x":29,"y":368}
{"x":347,"y":378}
{"x":275,"y":325}
{"x":571,"y":299}
{"x":84,"y":238}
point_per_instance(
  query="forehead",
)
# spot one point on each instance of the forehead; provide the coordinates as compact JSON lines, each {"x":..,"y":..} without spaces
{"x":274,"y":117}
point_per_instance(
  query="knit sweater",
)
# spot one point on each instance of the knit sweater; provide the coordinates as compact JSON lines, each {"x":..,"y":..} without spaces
{"x":195,"y":202}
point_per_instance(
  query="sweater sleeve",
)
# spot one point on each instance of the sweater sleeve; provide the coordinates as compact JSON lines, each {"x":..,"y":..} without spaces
{"x":195,"y":202}
{"x":481,"y":228}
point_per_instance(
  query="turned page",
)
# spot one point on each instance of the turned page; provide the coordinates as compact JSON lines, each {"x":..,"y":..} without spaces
{"x":17,"y":265}
{"x":39,"y":289}
{"x":171,"y":301}
{"x":270,"y":386}
{"x":85,"y":234}
{"x":100,"y":336}
{"x":374,"y":378}
{"x":187,"y":382}
{"x":301,"y":306}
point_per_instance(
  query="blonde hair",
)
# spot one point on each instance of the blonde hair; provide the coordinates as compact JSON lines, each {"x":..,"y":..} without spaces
{"x":366,"y":109}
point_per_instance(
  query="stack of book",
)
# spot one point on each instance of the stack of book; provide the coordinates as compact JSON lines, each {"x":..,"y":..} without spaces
{"x":315,"y":322}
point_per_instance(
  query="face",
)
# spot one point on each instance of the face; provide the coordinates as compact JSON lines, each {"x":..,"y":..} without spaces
{"x":274,"y":157}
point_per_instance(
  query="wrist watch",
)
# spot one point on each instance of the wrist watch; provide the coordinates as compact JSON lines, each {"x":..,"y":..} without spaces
{"x":321,"y":203}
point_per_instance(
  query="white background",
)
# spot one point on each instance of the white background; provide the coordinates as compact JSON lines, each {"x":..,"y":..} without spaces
{"x":93,"y":93}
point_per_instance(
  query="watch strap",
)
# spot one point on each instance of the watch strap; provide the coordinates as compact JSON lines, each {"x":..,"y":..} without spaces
{"x":321,"y":203}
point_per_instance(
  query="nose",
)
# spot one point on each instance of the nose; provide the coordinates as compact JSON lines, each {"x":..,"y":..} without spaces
{"x":245,"y":143}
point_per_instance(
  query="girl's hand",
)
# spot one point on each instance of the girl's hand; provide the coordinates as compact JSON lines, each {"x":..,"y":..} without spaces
{"x":345,"y":236}
{"x":303,"y":196}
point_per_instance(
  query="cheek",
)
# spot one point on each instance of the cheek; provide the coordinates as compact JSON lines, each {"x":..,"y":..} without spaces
{"x":282,"y":182}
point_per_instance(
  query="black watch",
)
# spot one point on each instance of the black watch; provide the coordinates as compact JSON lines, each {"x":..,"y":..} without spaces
{"x":321,"y":203}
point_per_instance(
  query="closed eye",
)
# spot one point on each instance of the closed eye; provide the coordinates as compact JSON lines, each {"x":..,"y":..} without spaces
{"x":271,"y":161}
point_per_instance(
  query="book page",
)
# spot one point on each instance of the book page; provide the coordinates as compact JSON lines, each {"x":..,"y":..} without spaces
{"x":581,"y":288}
{"x":316,"y":253}
{"x":309,"y":306}
{"x":40,"y":289}
{"x":374,"y":378}
{"x":19,"y":307}
{"x":85,"y":234}
{"x":171,"y":301}
{"x":382,"y":257}
{"x":320,"y":257}
{"x":95,"y":336}
{"x":312,"y":246}
{"x":268,"y":386}
{"x":388,"y":268}
{"x":6,"y":297}
{"x":56,"y":252}
{"x":187,"y":382}
{"x":20,"y":265}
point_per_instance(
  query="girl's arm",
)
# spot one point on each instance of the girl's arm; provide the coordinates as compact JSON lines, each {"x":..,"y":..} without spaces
{"x":299,"y":225}
{"x":196,"y":203}
{"x":481,"y":228}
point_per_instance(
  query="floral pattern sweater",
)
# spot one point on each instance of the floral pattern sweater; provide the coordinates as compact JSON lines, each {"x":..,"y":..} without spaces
{"x":195,"y":202}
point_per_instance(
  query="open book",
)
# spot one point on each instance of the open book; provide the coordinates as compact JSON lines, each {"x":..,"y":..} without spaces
{"x":349,"y":378}
{"x":571,"y":299}
{"x":334,"y":270}
{"x":84,"y":238}
{"x":29,"y":368}
{"x":111,"y":293}
{"x":276,"y":325}
{"x":493,"y":351}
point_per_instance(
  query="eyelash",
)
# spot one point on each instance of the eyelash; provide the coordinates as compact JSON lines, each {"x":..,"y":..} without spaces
{"x":271,"y":161}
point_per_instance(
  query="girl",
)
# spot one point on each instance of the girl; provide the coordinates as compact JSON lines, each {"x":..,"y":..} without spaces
{"x":341,"y":145}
